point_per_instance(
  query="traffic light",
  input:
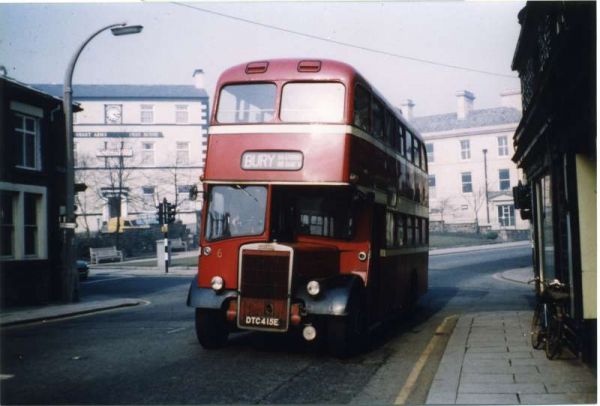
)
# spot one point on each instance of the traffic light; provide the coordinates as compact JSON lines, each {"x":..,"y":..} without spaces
{"x":160,"y":215}
{"x":171,"y":210}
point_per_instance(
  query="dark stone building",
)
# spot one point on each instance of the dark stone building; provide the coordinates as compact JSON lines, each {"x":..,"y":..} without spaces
{"x":32,"y":190}
{"x":555,"y":145}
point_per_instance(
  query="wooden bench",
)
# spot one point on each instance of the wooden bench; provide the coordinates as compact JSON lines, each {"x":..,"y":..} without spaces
{"x":177,"y":244}
{"x":108,"y":253}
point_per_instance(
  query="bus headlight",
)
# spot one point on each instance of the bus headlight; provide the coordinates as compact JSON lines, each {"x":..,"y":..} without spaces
{"x":362,"y":256}
{"x":217,"y":283}
{"x":313,"y":288}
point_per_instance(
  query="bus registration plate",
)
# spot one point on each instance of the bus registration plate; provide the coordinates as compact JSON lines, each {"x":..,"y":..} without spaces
{"x":263,"y":314}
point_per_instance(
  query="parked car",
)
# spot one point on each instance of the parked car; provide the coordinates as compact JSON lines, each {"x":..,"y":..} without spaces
{"x":83,"y":269}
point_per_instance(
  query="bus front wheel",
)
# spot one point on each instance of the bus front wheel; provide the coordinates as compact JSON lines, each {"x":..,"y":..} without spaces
{"x":347,"y":335}
{"x":211,"y":328}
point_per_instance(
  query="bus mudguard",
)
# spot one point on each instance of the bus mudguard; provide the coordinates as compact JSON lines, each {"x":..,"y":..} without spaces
{"x":207,"y":298}
{"x":334,"y":296}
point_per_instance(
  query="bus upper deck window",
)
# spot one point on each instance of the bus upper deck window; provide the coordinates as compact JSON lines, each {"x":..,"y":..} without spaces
{"x":247,"y":103}
{"x":312,"y":102}
{"x":362,"y":108}
{"x":378,"y":119}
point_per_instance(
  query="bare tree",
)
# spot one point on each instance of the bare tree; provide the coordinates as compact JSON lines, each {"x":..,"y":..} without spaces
{"x":116,"y":175}
{"x":84,"y":175}
{"x":475,"y":200}
{"x":444,"y":205}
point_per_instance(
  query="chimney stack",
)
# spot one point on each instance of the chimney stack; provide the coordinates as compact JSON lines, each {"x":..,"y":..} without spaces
{"x":407,"y":109}
{"x":465,"y":104}
{"x":511,"y":98}
{"x":198,"y":76}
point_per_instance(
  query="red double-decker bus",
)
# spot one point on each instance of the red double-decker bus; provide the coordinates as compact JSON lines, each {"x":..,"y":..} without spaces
{"x":315,"y":216}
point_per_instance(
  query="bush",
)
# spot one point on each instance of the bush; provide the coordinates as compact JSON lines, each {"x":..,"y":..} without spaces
{"x":491,"y":235}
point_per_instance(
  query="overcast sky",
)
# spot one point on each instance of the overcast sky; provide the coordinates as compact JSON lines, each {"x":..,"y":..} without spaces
{"x":38,"y":40}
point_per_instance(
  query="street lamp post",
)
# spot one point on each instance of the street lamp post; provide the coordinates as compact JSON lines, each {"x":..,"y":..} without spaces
{"x":487,"y":205}
{"x":68,"y":225}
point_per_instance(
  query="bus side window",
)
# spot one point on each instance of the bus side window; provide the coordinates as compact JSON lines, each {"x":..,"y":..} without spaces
{"x":400,"y":230}
{"x":423,"y":158}
{"x":402,"y":140}
{"x":411,"y":230}
{"x":390,"y":122}
{"x":409,"y":148}
{"x":389,"y":229}
{"x":362,"y":108}
{"x":416,"y":156}
{"x":378,"y":119}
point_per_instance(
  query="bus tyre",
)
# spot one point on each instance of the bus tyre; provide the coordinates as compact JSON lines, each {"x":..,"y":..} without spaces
{"x":211,"y":328}
{"x":347,"y":335}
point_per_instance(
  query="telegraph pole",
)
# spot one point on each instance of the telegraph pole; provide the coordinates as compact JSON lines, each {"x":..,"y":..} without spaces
{"x":487,"y":205}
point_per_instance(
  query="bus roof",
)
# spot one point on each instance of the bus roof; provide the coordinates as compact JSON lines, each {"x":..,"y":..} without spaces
{"x":285,"y":69}
{"x":288,"y":69}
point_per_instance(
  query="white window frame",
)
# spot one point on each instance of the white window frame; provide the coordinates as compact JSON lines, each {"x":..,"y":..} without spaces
{"x":180,"y":150}
{"x":503,"y":179}
{"x":463,"y":183}
{"x":465,"y":150}
{"x":182,"y":115}
{"x":148,"y":154}
{"x":19,"y":191}
{"x":504,"y":212}
{"x":22,"y":132}
{"x":430,"y":154}
{"x":148,"y":198}
{"x":146,"y":113}
{"x":503,"y":145}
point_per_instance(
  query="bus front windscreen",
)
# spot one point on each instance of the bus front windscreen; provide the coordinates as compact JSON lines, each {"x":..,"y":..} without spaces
{"x":312,"y":102}
{"x":247,"y":103}
{"x":235,"y":211}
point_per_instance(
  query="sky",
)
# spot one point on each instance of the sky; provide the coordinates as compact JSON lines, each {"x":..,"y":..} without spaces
{"x":38,"y":40}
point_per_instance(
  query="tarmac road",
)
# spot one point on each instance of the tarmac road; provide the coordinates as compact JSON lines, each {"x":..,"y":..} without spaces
{"x":148,"y":354}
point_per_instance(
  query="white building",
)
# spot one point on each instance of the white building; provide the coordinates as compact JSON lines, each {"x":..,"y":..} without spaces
{"x":135,"y":145}
{"x":467,"y":149}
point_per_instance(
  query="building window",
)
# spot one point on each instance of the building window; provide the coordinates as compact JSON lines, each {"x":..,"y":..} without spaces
{"x":28,"y":141}
{"x":467,"y":185}
{"x":504,"y":177}
{"x":7,"y":224}
{"x":148,"y":195}
{"x":502,"y":146}
{"x":181,"y":113}
{"x":147,"y":113}
{"x":429,"y":148}
{"x":431,"y":179}
{"x":506,"y":215}
{"x":23,"y":222}
{"x":465,"y":150}
{"x":183,"y":153}
{"x":31,"y":224}
{"x":147,"y":153}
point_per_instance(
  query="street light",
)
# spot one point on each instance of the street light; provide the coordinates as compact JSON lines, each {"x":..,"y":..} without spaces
{"x":68,"y":225}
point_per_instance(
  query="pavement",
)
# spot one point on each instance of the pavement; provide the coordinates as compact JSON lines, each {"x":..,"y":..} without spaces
{"x":488,"y":358}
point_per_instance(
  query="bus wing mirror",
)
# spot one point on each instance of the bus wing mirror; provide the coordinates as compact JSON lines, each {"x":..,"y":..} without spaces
{"x":194,"y":192}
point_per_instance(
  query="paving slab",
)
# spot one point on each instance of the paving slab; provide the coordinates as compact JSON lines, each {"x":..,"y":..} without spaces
{"x":497,"y":365}
{"x":486,"y":399}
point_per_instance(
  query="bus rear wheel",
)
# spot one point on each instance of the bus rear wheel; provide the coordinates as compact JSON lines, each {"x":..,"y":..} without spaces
{"x":347,"y":335}
{"x":211,"y":328}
